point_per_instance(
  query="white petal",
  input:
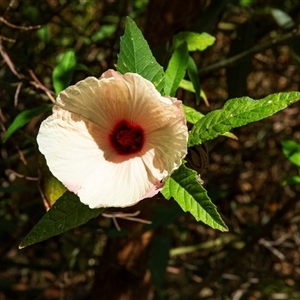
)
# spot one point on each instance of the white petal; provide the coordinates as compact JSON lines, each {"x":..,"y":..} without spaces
{"x":147,"y":107}
{"x":71,"y":153}
{"x":100,"y":101}
{"x":75,"y":151}
{"x":167,"y":148}
{"x":117,"y":184}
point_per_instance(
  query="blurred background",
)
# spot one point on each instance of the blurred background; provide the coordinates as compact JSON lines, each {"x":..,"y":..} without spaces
{"x":256,"y":53}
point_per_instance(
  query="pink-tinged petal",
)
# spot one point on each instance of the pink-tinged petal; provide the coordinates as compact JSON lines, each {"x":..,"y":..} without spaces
{"x":114,"y":141}
{"x":155,"y":189}
{"x":111,"y":73}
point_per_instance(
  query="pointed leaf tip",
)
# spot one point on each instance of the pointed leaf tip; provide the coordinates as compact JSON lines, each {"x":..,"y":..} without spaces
{"x":186,"y":190}
{"x":238,"y":112}
{"x":66,"y":213}
{"x":135,"y":56}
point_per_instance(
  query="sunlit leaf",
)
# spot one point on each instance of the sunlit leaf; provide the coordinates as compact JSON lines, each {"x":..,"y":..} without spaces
{"x":185,"y":188}
{"x":50,"y":186}
{"x":53,"y":189}
{"x":66,"y":213}
{"x":283,"y":19}
{"x":176,"y":69}
{"x":63,"y":72}
{"x":230,"y":135}
{"x":238,"y":112}
{"x":191,"y":114}
{"x":195,"y":41}
{"x":188,"y":86}
{"x":23,"y":118}
{"x":135,"y":56}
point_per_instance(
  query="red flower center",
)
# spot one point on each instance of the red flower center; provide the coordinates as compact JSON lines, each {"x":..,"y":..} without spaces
{"x":127,"y":137}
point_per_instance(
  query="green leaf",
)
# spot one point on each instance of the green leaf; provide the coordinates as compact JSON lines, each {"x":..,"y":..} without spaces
{"x":66,"y":213}
{"x":53,"y":188}
{"x":158,"y":258}
{"x":292,"y":180}
{"x":230,"y":135}
{"x":284,"y":20}
{"x":63,"y":72}
{"x":291,"y":150}
{"x":238,"y":112}
{"x":105,"y":31}
{"x":135,"y":56}
{"x":50,"y":187}
{"x":195,"y":41}
{"x":176,"y":69}
{"x":192,"y":115}
{"x":193,"y":74}
{"x":163,"y":215}
{"x":188,"y":86}
{"x":185,"y":188}
{"x":32,"y":14}
{"x":23,"y":118}
{"x":44,"y":33}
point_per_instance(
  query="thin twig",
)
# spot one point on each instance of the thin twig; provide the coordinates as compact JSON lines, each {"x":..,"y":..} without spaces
{"x":4,"y":38}
{"x":17,"y":93}
{"x":2,"y":121}
{"x":22,"y":157}
{"x":19,"y":27}
{"x":46,"y":202}
{"x":11,"y":3}
{"x":36,"y":83}
{"x":237,"y":295}
{"x":269,"y":246}
{"x":256,"y":49}
{"x":128,"y":216}
{"x":23,"y":176}
{"x":50,"y":96}
{"x":9,"y":62}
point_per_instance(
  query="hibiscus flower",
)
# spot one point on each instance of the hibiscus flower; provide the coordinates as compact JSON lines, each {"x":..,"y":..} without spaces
{"x":113,"y":141}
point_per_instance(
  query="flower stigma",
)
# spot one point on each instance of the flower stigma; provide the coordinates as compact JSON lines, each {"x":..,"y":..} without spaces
{"x":127,"y":137}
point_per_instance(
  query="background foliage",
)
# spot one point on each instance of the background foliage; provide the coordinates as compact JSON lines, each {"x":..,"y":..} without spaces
{"x":254,"y":55}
